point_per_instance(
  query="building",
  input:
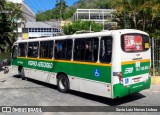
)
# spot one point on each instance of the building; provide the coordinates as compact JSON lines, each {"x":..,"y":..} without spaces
{"x":41,"y":29}
{"x":29,"y":28}
{"x":103,"y":16}
{"x":28,"y":14}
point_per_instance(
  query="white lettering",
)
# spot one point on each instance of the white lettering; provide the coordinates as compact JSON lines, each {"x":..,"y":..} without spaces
{"x":40,"y":64}
{"x":128,"y":70}
{"x":32,"y":63}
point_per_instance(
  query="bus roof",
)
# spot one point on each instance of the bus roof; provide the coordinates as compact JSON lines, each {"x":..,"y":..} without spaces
{"x":84,"y":35}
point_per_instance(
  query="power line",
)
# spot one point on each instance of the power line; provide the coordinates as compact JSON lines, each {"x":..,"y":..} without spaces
{"x":29,"y":4}
{"x":40,"y":4}
{"x":37,"y":5}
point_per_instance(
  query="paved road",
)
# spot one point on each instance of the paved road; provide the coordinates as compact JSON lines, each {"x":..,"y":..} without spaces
{"x":17,"y":92}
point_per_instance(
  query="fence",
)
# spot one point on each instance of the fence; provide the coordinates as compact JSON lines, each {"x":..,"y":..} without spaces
{"x":155,"y":55}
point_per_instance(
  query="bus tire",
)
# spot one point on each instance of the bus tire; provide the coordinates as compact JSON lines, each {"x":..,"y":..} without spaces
{"x":63,"y":83}
{"x":22,"y":74}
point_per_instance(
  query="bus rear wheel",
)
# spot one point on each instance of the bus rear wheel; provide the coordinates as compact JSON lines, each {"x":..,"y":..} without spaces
{"x":63,"y":83}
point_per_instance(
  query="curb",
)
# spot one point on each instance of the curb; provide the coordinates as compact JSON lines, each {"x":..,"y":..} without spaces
{"x":155,"y":80}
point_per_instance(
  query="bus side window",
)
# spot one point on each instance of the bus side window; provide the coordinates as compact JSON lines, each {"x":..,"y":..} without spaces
{"x":46,"y":49}
{"x":106,"y":49}
{"x":79,"y":49}
{"x":63,"y":49}
{"x":68,"y":49}
{"x":58,"y":51}
{"x":86,"y":49}
{"x":22,"y":49}
{"x":33,"y":49}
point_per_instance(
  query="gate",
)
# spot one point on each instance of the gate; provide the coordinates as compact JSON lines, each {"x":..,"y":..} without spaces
{"x":155,"y":55}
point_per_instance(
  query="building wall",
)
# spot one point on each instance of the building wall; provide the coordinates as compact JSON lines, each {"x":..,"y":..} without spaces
{"x":15,"y":1}
{"x":28,"y":14}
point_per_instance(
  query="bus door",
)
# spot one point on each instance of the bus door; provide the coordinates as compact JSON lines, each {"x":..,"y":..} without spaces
{"x":135,"y":64}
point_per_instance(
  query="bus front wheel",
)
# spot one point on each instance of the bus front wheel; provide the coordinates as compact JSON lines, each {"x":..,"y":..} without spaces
{"x":63,"y":83}
{"x":22,"y":74}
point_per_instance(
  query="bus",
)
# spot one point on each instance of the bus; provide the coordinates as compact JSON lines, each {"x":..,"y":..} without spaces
{"x":110,"y":64}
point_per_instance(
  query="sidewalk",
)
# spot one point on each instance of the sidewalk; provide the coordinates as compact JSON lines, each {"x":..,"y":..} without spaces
{"x":155,"y":80}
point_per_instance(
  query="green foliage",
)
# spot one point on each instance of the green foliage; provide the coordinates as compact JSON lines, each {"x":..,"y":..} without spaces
{"x":59,"y":12}
{"x":54,"y":14}
{"x":9,"y":14}
{"x":80,"y":26}
{"x":93,"y":4}
{"x":138,"y":14}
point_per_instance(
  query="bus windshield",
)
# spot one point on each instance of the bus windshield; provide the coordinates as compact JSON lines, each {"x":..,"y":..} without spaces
{"x":134,"y":42}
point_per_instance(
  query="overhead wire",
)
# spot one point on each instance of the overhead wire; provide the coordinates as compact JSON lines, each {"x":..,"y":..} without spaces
{"x":39,"y":3}
{"x":29,"y":4}
{"x":37,"y":6}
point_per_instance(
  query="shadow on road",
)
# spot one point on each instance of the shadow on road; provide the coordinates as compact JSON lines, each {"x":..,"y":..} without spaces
{"x":37,"y":82}
{"x":107,"y":101}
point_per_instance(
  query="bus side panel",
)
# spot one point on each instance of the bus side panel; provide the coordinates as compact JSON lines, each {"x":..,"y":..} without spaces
{"x":14,"y":69}
{"x":84,"y":76}
{"x":15,"y":64}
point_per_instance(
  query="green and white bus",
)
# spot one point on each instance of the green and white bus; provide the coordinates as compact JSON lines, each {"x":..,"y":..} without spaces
{"x":111,"y":64}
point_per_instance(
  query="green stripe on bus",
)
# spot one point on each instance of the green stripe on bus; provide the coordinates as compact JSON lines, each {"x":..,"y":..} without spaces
{"x":129,"y":70}
{"x":85,"y":71}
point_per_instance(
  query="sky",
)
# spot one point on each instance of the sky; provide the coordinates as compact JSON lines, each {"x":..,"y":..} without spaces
{"x":43,"y":5}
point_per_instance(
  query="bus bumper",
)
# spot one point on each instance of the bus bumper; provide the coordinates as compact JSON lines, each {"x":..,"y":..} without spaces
{"x":121,"y":91}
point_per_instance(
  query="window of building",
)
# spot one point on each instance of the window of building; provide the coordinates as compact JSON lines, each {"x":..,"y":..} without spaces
{"x":22,"y":49}
{"x":63,"y":49}
{"x":86,"y":49}
{"x":33,"y":49}
{"x":106,"y":49}
{"x":46,"y":49}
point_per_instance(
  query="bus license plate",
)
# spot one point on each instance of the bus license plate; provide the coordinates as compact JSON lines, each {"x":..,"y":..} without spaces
{"x":136,"y":80}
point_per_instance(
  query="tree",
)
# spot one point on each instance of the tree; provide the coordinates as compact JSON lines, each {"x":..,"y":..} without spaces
{"x":9,"y":14}
{"x":138,"y":14}
{"x":60,"y":8}
{"x":81,"y":26}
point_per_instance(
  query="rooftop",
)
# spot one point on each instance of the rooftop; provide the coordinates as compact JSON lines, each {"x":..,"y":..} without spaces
{"x":55,"y":24}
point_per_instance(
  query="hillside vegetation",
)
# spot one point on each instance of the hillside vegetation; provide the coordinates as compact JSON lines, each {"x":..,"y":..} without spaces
{"x":67,"y":12}
{"x":136,"y":14}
